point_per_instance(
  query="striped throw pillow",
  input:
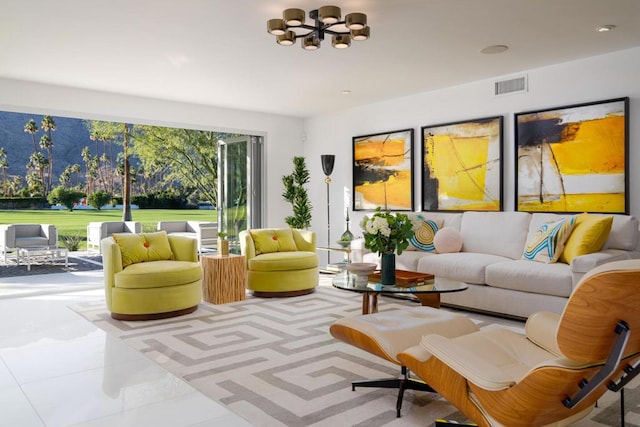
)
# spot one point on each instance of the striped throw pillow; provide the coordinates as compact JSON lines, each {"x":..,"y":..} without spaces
{"x":547,"y":244}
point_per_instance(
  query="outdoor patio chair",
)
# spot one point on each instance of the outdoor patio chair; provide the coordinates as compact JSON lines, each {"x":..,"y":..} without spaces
{"x":206,"y":233}
{"x":15,"y":236}
{"x":96,"y":231}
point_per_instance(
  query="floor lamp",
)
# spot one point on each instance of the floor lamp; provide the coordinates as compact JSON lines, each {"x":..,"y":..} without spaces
{"x":327,"y":166}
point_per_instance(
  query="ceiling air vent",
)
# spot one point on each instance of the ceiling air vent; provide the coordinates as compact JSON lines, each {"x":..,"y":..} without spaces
{"x":515,"y":85}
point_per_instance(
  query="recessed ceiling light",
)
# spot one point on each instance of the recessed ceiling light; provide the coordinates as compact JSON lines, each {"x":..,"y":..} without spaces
{"x":345,"y":92}
{"x":496,"y":48}
{"x":605,"y":28}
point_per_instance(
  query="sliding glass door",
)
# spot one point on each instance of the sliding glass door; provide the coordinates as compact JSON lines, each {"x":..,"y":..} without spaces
{"x":239,"y":185}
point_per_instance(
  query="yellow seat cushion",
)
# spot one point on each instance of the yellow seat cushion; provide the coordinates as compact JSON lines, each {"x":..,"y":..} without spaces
{"x":284,"y":261}
{"x":158,"y":274}
{"x":588,"y":236}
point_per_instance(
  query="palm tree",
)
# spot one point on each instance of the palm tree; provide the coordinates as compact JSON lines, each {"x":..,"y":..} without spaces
{"x":4,"y":165}
{"x":48,"y":125}
{"x":32,"y":128}
{"x":38,"y":162}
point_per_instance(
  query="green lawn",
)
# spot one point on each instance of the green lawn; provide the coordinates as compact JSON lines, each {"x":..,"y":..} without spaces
{"x":75,"y":223}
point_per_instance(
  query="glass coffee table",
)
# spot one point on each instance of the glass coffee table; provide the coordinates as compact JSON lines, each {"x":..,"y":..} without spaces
{"x":428,"y":293}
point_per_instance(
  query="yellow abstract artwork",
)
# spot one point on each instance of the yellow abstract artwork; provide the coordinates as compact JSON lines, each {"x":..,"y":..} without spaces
{"x":573,"y":159}
{"x":462,"y":165}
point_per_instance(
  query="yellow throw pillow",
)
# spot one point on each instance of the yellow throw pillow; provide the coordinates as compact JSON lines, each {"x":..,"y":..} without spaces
{"x":546,"y":245}
{"x":135,"y":248}
{"x":588,"y":236}
{"x":158,"y":247}
{"x":285,"y":240}
{"x":265,"y":241}
{"x":131,"y":248}
{"x":273,"y":240}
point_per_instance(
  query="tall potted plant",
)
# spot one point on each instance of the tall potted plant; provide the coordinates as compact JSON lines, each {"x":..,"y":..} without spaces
{"x":296,"y":194}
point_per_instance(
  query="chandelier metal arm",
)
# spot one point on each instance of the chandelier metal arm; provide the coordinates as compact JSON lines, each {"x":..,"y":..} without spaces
{"x":320,"y":30}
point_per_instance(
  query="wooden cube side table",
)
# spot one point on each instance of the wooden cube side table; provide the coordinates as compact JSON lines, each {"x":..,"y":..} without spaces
{"x":223,"y":278}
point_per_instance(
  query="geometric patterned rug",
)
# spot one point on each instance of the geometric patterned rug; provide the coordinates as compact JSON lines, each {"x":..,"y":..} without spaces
{"x":274,"y":363}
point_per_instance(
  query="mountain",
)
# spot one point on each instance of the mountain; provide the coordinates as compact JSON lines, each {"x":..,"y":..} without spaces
{"x":69,"y":138}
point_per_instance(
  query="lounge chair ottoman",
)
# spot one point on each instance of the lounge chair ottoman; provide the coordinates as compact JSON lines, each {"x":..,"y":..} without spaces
{"x":388,"y":333}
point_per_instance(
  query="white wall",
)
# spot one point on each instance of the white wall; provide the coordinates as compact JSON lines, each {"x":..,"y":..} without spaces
{"x":597,"y":78}
{"x":282,"y":134}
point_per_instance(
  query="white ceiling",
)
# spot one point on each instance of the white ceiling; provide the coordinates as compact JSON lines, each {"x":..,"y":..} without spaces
{"x":218,"y":52}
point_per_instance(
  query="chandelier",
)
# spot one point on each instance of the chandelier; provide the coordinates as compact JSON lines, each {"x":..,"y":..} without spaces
{"x":292,"y":26}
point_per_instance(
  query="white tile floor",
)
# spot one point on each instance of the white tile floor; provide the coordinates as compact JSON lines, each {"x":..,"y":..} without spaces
{"x":57,"y":369}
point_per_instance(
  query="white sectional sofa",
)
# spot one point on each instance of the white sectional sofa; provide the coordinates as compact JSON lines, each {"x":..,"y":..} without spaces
{"x":490,"y":261}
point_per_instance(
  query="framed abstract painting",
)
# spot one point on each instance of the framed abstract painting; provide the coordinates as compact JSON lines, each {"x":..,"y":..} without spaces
{"x":383,"y":171}
{"x":573,"y":158}
{"x":462,"y":165}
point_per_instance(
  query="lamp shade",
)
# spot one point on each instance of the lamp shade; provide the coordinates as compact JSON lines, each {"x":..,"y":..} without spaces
{"x":276,"y":27}
{"x":293,"y":17}
{"x":310,"y":43}
{"x":355,"y":21}
{"x":341,"y":41}
{"x":360,"y":35}
{"x":329,"y":14}
{"x":286,"y":39}
{"x":328,"y":161}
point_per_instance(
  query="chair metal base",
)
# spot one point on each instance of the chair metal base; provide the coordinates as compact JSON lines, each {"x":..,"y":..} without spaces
{"x":405,"y":382}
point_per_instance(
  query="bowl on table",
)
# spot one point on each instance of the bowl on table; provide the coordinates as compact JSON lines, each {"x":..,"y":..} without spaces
{"x":361,"y":270}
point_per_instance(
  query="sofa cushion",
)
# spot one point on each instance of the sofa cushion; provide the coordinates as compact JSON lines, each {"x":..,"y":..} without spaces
{"x":496,"y":233}
{"x":548,"y":242}
{"x":624,"y":233}
{"x":283,"y":261}
{"x":158,"y":274}
{"x":270,"y":240}
{"x":145,"y":247}
{"x":588,"y":236}
{"x":31,"y":242}
{"x":422,"y":238}
{"x":464,"y":266}
{"x":535,"y":277}
{"x":447,"y":240}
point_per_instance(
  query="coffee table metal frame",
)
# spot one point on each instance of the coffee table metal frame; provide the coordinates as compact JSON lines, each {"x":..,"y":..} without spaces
{"x":44,"y":254}
{"x":428,"y":294}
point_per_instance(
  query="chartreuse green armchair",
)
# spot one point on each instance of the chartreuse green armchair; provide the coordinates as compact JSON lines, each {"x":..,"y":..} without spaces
{"x":151,"y":275}
{"x":281,"y":262}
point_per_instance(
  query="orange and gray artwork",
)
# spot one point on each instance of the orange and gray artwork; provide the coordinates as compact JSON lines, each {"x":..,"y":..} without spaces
{"x":383,"y":171}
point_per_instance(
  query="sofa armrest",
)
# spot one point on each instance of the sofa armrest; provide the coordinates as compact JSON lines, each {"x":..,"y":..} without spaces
{"x":183,"y":248}
{"x":583,"y":263}
{"x":7,"y":237}
{"x":51,"y":233}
